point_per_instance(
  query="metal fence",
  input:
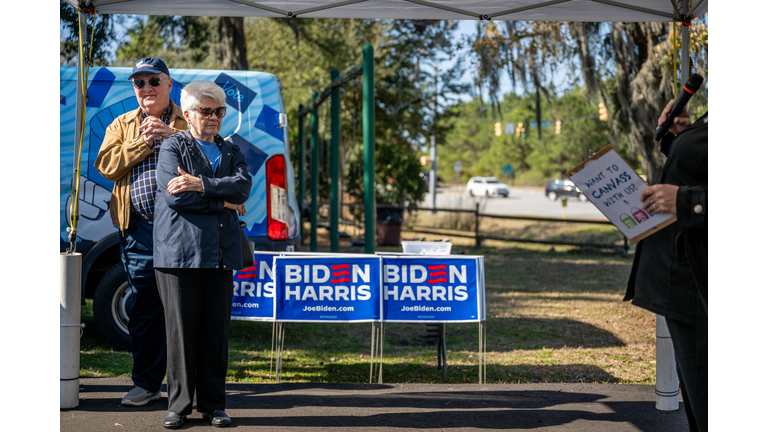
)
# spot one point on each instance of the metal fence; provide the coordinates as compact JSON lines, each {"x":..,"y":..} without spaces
{"x":480,"y":236}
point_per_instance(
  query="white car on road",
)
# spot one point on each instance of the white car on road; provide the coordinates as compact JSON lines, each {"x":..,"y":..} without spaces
{"x":487,"y":186}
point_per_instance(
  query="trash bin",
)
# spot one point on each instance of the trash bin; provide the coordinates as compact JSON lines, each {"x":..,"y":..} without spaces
{"x":426,"y":248}
{"x":389,"y":221}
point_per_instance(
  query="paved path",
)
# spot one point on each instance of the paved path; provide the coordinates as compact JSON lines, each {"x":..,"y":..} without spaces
{"x":362,"y":407}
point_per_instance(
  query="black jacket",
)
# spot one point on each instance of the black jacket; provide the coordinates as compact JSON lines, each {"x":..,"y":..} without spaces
{"x":193,"y":229}
{"x":669,"y":273}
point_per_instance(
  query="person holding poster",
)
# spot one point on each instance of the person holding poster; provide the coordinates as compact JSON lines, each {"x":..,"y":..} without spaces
{"x":202,"y":183}
{"x":669,"y":273}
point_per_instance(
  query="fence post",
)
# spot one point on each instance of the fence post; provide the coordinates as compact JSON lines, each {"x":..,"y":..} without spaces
{"x":369,"y":147}
{"x":478,"y":241}
{"x":335,"y":133}
{"x":313,"y":161}
{"x":302,"y":174}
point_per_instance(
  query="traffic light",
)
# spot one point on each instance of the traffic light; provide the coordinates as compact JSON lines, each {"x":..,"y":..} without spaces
{"x":557,"y":127}
{"x":498,"y":128}
{"x":519,"y":130}
{"x":603,"y":112}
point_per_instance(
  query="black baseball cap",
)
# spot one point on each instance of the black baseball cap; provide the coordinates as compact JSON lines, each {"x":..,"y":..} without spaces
{"x":150,"y":65}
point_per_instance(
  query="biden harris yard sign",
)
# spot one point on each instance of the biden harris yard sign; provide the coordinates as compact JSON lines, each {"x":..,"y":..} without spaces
{"x":254,"y":290}
{"x":433,"y":289}
{"x":327,"y":289}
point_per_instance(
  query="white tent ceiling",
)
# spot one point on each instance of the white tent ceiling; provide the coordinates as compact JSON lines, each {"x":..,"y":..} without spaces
{"x":516,"y":10}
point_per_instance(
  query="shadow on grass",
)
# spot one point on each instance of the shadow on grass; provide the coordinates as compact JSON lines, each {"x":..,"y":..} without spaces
{"x":506,"y":334}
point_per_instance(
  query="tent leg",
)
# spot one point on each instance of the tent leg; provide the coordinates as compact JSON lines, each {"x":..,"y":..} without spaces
{"x":667,"y":389}
{"x":69,"y":322}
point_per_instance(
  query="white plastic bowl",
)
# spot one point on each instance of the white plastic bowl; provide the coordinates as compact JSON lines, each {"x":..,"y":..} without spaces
{"x":426,"y":248}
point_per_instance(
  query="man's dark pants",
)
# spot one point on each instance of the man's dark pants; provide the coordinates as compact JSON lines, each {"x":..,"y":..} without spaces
{"x":147,"y":318}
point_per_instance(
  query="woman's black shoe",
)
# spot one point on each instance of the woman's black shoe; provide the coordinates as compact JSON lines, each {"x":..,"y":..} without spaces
{"x":218,"y":418}
{"x":173,"y":420}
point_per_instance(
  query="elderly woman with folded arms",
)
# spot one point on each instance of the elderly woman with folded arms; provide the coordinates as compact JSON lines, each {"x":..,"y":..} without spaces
{"x":203,"y":182}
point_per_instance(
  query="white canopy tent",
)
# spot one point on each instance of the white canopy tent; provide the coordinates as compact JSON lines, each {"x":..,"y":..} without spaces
{"x":515,"y":10}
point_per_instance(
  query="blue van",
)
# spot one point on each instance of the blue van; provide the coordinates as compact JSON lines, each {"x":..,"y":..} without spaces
{"x":255,"y":121}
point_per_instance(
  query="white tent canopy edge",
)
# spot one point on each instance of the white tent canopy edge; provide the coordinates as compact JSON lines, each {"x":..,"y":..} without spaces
{"x":507,"y":10}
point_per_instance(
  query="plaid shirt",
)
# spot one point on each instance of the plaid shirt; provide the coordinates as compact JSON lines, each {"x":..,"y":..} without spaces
{"x":144,"y":176}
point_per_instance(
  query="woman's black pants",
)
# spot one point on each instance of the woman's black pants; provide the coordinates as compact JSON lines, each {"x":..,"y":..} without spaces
{"x":198,"y":307}
{"x":691,"y":349}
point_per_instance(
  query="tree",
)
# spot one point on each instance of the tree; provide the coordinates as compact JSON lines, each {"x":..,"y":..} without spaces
{"x":524,"y":50}
{"x":472,"y":139}
{"x":406,"y":103}
{"x":626,"y":66}
{"x":181,"y":41}
{"x":103,"y":37}
{"x":232,"y":43}
{"x":641,"y":80}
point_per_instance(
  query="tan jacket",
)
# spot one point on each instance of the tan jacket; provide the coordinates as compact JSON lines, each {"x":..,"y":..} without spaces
{"x":120,"y":151}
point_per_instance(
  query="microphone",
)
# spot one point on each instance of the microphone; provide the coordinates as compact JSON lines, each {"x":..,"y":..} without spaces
{"x":691,"y":87}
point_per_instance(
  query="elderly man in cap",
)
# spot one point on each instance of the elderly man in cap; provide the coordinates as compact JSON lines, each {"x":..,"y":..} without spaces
{"x":128,"y":156}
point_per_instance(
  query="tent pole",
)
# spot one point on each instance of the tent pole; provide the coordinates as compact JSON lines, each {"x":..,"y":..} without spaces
{"x":79,"y":102}
{"x":70,"y":280}
{"x":667,"y":388}
{"x":685,"y":58}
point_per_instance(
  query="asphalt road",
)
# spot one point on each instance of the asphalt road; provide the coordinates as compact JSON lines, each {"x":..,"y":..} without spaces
{"x":314,"y":407}
{"x":522,"y":201}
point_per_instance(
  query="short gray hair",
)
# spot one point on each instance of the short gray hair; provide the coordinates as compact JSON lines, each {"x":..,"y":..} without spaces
{"x":193,"y":93}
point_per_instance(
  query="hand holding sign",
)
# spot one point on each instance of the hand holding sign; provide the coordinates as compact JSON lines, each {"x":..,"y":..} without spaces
{"x":661,"y":198}
{"x":622,"y":196}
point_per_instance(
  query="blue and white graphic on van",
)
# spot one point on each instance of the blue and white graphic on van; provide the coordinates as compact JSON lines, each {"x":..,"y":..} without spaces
{"x":254,"y":96}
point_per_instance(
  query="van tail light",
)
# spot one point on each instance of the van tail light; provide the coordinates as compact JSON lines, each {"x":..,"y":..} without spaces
{"x":277,"y":199}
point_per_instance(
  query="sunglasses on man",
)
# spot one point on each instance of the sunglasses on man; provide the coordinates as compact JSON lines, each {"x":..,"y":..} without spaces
{"x":206,"y":112}
{"x":154,"y":82}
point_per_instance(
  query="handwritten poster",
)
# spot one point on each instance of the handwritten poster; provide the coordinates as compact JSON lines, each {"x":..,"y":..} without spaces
{"x":614,"y":188}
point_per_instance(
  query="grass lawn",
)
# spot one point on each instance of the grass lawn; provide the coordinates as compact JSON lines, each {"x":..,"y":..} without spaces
{"x":555,"y":314}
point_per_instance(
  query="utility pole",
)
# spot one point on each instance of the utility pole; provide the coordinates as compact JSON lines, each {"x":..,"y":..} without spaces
{"x":433,"y":153}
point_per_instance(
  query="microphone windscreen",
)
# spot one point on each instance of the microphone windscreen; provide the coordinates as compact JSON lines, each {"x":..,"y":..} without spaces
{"x":694,"y":82}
